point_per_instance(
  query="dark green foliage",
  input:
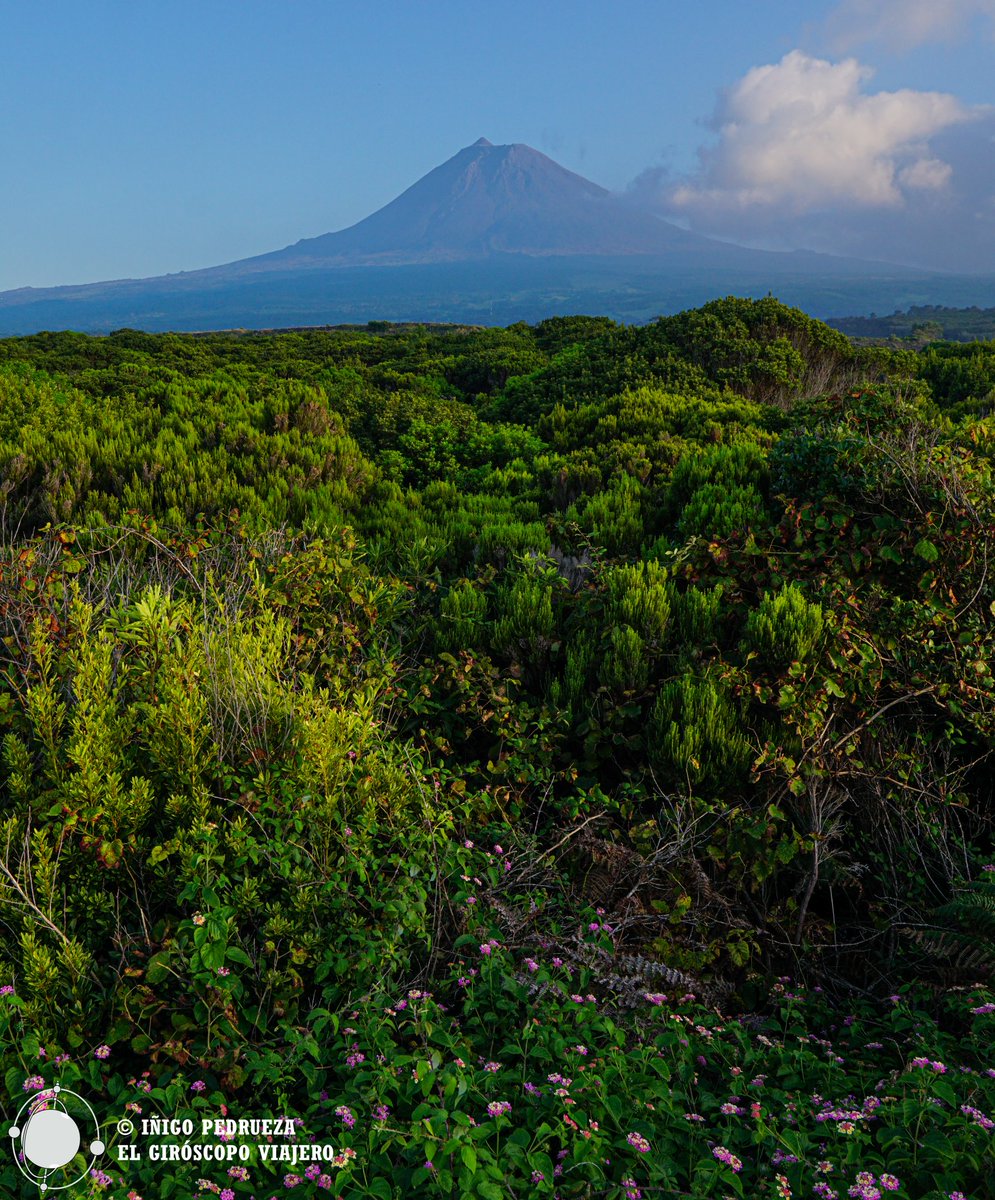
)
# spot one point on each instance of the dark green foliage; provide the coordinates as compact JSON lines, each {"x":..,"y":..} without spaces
{"x":962,"y":378}
{"x":923,"y":323}
{"x":963,"y":942}
{"x":724,"y":558}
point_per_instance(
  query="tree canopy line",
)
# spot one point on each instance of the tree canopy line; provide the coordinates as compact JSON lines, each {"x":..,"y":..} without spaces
{"x":694,"y":619}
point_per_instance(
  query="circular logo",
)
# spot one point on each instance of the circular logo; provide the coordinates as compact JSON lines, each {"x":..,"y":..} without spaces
{"x":55,"y":1139}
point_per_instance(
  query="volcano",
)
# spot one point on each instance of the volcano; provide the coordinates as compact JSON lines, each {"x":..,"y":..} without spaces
{"x":493,"y":235}
{"x":489,"y":200}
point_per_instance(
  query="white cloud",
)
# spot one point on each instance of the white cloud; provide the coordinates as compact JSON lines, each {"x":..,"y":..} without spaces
{"x":802,"y":134}
{"x":904,"y":24}
{"x":806,"y":155}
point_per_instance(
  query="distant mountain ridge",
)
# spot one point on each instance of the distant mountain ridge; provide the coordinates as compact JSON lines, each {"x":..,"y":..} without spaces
{"x":493,"y":235}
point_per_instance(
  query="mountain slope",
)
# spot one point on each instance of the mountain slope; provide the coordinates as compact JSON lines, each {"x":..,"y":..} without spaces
{"x":492,"y":200}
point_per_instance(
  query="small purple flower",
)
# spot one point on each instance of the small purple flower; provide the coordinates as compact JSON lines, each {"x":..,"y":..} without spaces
{"x":102,"y":1052}
{"x":198,"y":1085}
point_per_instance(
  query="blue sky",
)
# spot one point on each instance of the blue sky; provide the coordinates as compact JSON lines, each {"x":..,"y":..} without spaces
{"x":146,"y":137}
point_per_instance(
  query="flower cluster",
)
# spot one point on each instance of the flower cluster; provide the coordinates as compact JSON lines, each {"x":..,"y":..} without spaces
{"x":726,"y":1156}
{"x":939,"y":1067}
{"x":977,"y":1117}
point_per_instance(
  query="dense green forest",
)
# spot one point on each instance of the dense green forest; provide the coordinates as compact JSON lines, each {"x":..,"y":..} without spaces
{"x":488,"y":745}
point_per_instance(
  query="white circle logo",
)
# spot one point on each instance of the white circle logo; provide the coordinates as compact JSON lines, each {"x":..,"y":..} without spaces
{"x":47,"y":1138}
{"x":50,"y":1139}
